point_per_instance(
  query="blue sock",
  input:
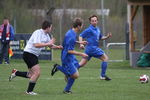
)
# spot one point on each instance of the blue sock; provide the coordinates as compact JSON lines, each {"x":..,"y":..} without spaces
{"x":69,"y":84}
{"x":62,"y":69}
{"x":103,"y":68}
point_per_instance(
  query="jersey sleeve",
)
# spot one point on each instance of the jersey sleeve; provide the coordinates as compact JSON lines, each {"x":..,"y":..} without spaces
{"x":84,"y":33}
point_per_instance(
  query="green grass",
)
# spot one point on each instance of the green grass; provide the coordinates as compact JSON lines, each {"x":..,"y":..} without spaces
{"x":123,"y":86}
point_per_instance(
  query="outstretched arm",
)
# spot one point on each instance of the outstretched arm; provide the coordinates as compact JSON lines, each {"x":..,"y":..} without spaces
{"x":107,"y":36}
{"x":57,"y":46}
{"x":77,"y":53}
{"x":49,"y":44}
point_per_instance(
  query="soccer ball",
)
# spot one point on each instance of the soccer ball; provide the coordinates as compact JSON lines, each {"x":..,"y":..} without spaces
{"x":144,"y":78}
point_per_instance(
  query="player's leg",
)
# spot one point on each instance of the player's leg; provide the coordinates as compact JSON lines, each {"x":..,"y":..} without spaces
{"x":104,"y":65}
{"x":83,"y":62}
{"x":35,"y":70}
{"x":18,"y":73}
{"x":29,"y":62}
{"x":57,"y":67}
{"x":74,"y":75}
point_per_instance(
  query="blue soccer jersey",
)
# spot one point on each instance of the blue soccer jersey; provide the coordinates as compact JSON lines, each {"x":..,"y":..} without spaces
{"x":68,"y":60}
{"x":92,"y":35}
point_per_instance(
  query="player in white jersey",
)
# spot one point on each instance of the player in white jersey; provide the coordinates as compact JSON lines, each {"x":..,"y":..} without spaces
{"x":39,"y":39}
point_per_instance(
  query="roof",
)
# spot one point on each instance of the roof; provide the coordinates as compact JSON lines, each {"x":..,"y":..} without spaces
{"x":139,"y":2}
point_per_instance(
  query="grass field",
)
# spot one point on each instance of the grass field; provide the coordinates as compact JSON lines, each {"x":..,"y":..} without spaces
{"x":123,"y":86}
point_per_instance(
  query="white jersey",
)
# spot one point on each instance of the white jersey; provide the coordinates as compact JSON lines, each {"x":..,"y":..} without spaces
{"x":38,"y":36}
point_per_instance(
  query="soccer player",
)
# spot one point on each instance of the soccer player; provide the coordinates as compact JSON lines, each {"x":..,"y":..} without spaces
{"x":92,"y":35}
{"x":39,"y":39}
{"x":69,"y":62}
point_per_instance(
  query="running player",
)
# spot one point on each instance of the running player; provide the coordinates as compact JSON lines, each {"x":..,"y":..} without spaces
{"x":39,"y":39}
{"x":92,"y":35}
{"x":69,"y":62}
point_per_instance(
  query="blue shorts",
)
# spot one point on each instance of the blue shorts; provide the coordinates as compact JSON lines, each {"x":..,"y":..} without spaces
{"x":94,"y":51}
{"x":71,"y":67}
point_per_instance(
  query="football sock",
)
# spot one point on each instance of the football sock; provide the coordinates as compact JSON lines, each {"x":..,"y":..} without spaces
{"x":103,"y":68}
{"x":62,"y":69}
{"x":69,"y":84}
{"x":22,"y":74}
{"x":31,"y":86}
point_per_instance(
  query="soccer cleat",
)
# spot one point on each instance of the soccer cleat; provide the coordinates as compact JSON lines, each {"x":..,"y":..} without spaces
{"x":31,"y":93}
{"x":54,"y":70}
{"x":105,"y":78}
{"x":13,"y":74}
{"x":67,"y":92}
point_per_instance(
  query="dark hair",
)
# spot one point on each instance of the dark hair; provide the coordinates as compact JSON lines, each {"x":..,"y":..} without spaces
{"x":46,"y":24}
{"x":77,"y":22}
{"x":92,"y":17}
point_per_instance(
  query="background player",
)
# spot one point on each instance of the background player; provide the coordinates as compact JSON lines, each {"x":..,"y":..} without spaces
{"x":92,"y":35}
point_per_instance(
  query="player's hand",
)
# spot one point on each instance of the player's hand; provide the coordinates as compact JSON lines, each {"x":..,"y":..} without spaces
{"x":60,"y":47}
{"x":84,"y":55}
{"x":82,"y":42}
{"x":109,"y":35}
{"x":52,"y":41}
{"x":81,"y":46}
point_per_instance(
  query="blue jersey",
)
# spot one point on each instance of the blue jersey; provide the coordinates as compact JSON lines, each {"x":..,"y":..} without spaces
{"x":68,"y":44}
{"x":92,"y":35}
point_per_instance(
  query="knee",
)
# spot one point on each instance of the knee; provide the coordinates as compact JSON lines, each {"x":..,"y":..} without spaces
{"x":75,"y":76}
{"x":106,"y":59}
{"x":37,"y":74}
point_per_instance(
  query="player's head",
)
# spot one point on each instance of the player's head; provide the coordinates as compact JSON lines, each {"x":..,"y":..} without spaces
{"x":47,"y":26}
{"x":93,"y":20}
{"x":5,"y":21}
{"x":77,"y":23}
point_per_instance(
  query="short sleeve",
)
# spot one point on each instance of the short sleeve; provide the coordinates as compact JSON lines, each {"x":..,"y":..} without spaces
{"x":84,"y":33}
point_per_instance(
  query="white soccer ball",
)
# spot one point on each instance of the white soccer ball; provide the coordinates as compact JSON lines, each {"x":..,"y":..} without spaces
{"x":144,"y":78}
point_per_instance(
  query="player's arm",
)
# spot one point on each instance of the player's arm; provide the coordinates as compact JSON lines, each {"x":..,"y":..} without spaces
{"x":107,"y":36}
{"x":57,"y":46}
{"x":81,"y":40}
{"x":49,"y":44}
{"x":77,"y":53}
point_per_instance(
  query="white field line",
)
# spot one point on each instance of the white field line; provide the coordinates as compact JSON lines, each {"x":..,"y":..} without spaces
{"x":80,"y":78}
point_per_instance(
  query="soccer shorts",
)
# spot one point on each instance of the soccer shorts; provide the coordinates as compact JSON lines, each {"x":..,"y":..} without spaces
{"x":94,"y":52}
{"x":71,"y":67}
{"x":30,"y":59}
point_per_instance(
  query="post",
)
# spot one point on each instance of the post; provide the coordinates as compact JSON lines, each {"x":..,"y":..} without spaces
{"x":103,"y":22}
